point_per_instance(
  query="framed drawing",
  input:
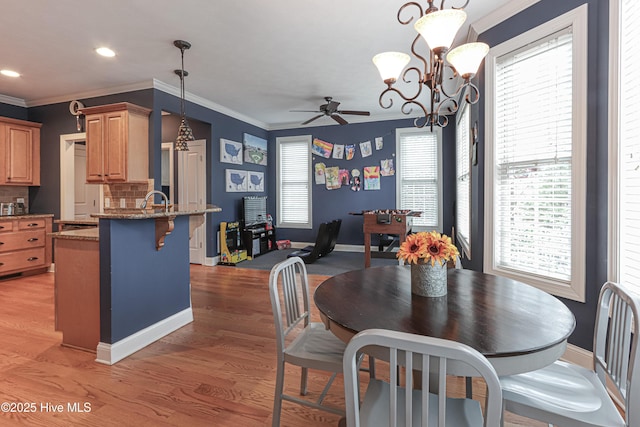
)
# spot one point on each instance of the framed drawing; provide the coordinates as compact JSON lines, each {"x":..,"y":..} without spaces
{"x":256,"y":181}
{"x":230,"y":151}
{"x":236,"y":181}
{"x":255,"y":149}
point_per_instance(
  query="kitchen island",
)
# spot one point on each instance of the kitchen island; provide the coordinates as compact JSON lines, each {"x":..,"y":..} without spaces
{"x":143,"y":276}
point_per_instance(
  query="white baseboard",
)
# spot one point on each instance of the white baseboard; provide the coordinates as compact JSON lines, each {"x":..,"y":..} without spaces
{"x":112,"y":353}
{"x":339,"y":247}
{"x":578,"y":356}
{"x":211,"y":261}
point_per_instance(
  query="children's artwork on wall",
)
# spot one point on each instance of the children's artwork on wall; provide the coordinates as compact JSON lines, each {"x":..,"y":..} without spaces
{"x":230,"y":151}
{"x":319,"y":174}
{"x":321,"y":148}
{"x":386,"y":167}
{"x":256,"y":181}
{"x":350,"y":151}
{"x":365,"y":148}
{"x":372,"y":178}
{"x":236,"y":180}
{"x":355,"y":180}
{"x":255,"y":149}
{"x":379,"y":143}
{"x":338,"y":151}
{"x":343,"y":176}
{"x":332,"y":177}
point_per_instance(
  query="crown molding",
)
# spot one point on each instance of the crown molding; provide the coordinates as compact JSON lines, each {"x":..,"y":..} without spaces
{"x":18,"y":102}
{"x":91,"y":94}
{"x":172,"y":90}
{"x":500,"y":15}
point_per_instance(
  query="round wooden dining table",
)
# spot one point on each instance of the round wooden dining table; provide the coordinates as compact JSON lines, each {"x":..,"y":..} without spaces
{"x":519,"y":328}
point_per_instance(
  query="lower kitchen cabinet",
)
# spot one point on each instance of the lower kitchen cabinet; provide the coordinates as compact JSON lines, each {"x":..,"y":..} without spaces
{"x":25,"y":245}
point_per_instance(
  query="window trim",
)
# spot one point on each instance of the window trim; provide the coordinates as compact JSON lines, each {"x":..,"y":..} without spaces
{"x":464,"y":241}
{"x":613,"y":235}
{"x":575,"y":289}
{"x":409,"y":131}
{"x":284,"y":140}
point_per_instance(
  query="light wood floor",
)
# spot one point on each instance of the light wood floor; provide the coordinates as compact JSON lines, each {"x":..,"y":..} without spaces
{"x":217,"y":371}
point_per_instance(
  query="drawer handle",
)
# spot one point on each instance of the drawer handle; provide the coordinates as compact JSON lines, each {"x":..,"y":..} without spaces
{"x":1,"y":227}
{"x":33,"y":258}
{"x":1,"y":264}
{"x":33,"y":224}
{"x":1,"y":243}
{"x":33,"y":239}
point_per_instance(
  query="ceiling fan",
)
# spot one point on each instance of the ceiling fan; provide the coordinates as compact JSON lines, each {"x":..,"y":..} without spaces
{"x":331,"y":109}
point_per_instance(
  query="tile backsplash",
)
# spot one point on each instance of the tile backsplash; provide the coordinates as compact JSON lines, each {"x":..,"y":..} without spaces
{"x":130,"y":193}
{"x":10,"y":193}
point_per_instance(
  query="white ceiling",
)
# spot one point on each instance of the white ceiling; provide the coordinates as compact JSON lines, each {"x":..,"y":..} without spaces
{"x":256,"y":58}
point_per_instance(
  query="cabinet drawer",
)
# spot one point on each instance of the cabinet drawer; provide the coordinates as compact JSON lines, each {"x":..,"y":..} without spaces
{"x":30,"y":224}
{"x":22,"y":260}
{"x":6,"y":226}
{"x":21,"y":240}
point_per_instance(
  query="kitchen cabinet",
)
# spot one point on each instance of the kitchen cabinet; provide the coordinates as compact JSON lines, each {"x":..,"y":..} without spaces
{"x":19,"y":152}
{"x":117,"y":143}
{"x":25,"y":245}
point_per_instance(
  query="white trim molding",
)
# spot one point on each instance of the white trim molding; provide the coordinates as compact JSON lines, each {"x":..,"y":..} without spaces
{"x":500,"y":15}
{"x":112,"y":353}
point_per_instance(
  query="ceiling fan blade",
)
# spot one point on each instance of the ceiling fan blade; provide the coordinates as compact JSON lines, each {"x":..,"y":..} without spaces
{"x":312,"y":119}
{"x":304,"y":111}
{"x":339,"y":119}
{"x":357,"y":113}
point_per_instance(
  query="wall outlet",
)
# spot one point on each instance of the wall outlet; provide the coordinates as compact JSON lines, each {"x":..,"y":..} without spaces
{"x":123,"y":203}
{"x":107,"y":202}
{"x":139,"y":203}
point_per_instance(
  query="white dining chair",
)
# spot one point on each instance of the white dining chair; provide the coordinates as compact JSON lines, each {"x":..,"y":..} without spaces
{"x":299,"y":341}
{"x":568,"y":395}
{"x":387,"y":404}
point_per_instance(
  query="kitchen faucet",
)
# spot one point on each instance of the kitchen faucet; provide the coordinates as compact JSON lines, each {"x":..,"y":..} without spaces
{"x":143,"y":205}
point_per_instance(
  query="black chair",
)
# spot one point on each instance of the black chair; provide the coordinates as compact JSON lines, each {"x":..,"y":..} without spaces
{"x":333,"y":229}
{"x":323,"y":241}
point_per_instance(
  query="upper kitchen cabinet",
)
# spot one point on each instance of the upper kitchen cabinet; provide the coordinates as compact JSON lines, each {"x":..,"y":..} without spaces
{"x":19,"y":152}
{"x":117,"y":143}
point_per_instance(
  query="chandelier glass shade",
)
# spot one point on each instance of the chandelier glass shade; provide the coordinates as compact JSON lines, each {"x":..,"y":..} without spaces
{"x":185,"y":134}
{"x":440,"y":64}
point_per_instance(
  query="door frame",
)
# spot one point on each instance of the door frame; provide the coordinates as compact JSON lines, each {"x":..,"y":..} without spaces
{"x":67,"y":170}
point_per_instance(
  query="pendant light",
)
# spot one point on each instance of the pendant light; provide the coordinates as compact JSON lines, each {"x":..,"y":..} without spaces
{"x":185,"y":133}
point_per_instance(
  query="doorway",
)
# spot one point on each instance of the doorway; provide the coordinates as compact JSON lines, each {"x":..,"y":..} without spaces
{"x":68,"y":180}
{"x":86,"y":196}
{"x":192,"y":189}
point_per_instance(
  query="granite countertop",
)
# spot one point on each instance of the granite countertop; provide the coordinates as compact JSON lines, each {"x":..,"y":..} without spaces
{"x":79,"y":234}
{"x":157,"y":212}
{"x":34,"y":215}
{"x":84,"y":221}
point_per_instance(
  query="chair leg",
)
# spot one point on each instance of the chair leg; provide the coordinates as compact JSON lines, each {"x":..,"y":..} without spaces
{"x":303,"y":382}
{"x":277,"y":398}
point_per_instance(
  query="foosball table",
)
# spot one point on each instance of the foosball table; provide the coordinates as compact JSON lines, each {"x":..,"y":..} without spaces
{"x":386,"y":221}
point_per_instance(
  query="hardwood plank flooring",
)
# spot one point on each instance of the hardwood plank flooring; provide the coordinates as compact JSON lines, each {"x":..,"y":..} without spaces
{"x":217,"y":371}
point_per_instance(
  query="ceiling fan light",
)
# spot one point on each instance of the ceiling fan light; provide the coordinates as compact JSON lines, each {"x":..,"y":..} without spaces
{"x":467,"y":58}
{"x":185,"y":134}
{"x":440,"y":28}
{"x":390,"y":65}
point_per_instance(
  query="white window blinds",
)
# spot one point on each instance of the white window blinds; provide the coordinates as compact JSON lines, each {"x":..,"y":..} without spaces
{"x":293,"y":175}
{"x":533,"y":158}
{"x":629,"y":146}
{"x":463,"y":182}
{"x":418,"y":175}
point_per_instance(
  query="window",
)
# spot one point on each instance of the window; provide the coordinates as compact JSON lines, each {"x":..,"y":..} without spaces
{"x":419,"y":176}
{"x":535,"y":181}
{"x":293,"y":171}
{"x":463,"y":181}
{"x":624,"y":154}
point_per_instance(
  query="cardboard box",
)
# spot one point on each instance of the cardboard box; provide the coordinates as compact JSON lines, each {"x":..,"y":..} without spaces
{"x":283,"y":244}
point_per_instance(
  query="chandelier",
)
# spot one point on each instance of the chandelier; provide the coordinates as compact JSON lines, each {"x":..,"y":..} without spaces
{"x":438,"y":28}
{"x":185,"y":134}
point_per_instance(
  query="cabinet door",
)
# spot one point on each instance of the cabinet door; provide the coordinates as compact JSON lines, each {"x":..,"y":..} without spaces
{"x":115,"y":148}
{"x":19,"y":154}
{"x":95,"y":137}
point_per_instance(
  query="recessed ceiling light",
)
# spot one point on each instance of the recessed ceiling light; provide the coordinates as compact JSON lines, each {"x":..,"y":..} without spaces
{"x":9,"y":73}
{"x":105,"y":51}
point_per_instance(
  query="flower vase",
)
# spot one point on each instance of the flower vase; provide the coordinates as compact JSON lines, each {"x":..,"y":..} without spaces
{"x":429,"y":280}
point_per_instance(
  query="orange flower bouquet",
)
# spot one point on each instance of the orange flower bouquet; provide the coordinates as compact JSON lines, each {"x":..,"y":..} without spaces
{"x":427,"y":246}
